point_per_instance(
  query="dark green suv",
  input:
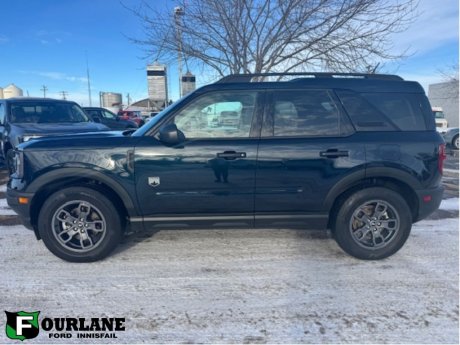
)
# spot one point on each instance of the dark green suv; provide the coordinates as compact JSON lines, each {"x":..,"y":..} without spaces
{"x":358,"y":154}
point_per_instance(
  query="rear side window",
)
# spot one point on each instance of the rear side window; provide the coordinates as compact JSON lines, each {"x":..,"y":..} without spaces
{"x":304,"y":113}
{"x":384,"y":111}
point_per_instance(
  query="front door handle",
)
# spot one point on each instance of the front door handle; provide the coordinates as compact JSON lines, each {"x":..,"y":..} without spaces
{"x":230,"y":155}
{"x":333,"y":153}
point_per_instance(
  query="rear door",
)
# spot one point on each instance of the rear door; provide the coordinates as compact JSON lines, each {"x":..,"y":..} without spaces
{"x":307,"y":147}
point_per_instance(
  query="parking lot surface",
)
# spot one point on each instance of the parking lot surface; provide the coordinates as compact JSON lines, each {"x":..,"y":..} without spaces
{"x":246,"y":286}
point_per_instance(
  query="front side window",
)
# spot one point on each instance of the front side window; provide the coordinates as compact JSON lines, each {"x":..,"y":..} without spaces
{"x":47,"y":113}
{"x":301,"y":113}
{"x":226,"y":114}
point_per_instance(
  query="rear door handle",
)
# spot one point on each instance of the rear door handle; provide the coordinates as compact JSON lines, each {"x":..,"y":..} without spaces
{"x":333,"y":153}
{"x":229,"y":155}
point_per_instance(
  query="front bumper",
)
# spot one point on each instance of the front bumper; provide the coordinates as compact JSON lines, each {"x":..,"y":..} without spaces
{"x":23,"y":210}
{"x":429,"y":201}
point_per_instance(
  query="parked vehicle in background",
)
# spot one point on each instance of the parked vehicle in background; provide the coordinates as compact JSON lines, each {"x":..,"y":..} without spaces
{"x":451,"y":137}
{"x":355,"y":153}
{"x":440,"y":119}
{"x":25,"y":118}
{"x":132,"y":116}
{"x":109,"y":119}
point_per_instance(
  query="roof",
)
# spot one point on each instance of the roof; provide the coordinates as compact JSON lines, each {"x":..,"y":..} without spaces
{"x":355,"y":82}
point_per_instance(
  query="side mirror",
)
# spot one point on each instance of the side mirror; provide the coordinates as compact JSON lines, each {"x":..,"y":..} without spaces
{"x":97,"y":119}
{"x":170,"y":135}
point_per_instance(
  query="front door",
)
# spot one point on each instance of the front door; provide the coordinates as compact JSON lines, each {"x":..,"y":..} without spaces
{"x":208,"y":180}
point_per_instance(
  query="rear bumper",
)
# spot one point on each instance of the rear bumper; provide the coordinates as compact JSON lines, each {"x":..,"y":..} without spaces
{"x":429,"y":201}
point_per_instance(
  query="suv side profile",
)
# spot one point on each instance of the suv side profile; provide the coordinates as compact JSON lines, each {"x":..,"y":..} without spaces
{"x":355,"y":153}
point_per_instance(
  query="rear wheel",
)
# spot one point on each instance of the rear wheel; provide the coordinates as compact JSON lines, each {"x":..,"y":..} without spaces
{"x":79,"y":224}
{"x":373,"y":224}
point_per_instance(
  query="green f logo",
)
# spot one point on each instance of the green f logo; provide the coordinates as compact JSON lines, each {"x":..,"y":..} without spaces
{"x":21,"y":325}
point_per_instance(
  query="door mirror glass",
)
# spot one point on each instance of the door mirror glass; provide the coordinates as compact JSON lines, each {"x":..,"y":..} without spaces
{"x":170,"y":135}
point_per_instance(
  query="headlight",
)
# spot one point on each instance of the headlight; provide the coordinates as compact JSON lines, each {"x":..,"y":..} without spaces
{"x":30,"y":137}
{"x":18,"y":164}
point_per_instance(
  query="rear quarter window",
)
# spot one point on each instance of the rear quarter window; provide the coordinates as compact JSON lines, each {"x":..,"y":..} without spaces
{"x":404,"y":110}
{"x":385,"y":111}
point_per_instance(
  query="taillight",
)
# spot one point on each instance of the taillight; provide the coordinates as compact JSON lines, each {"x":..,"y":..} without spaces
{"x":441,"y":157}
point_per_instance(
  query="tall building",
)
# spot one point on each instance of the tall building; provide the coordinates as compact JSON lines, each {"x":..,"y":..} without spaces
{"x":188,"y":83}
{"x":12,"y":91}
{"x":110,"y":99}
{"x":157,"y":82}
{"x":445,"y":95}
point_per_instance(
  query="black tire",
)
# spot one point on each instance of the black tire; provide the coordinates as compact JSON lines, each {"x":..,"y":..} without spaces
{"x":100,"y":225}
{"x":360,"y":224}
{"x":455,"y":142}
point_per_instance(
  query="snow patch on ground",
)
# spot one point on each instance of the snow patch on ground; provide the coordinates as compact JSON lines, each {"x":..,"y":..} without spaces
{"x":244,"y":286}
{"x":3,"y":188}
{"x":5,"y":210}
{"x":449,"y":204}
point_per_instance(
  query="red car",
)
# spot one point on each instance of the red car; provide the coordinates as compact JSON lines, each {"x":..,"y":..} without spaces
{"x":131,"y":115}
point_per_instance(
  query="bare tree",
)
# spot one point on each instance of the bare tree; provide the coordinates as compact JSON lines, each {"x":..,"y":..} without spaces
{"x":252,"y":36}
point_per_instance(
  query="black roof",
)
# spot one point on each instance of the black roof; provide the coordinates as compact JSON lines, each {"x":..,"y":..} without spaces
{"x":347,"y":81}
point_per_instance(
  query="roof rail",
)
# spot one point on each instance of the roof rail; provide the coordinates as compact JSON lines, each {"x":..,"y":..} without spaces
{"x":258,"y":77}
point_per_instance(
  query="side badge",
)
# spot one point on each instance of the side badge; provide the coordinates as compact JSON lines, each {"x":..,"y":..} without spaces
{"x":154,"y":181}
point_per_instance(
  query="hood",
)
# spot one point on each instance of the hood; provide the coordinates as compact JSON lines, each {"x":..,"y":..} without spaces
{"x":84,"y":141}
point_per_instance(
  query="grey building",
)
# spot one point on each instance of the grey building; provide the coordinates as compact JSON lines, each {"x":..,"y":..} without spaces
{"x":445,"y":95}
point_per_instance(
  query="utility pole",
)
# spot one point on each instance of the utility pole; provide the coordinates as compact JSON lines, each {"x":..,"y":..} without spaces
{"x":128,"y":99}
{"x":44,"y":89}
{"x":87,"y":77}
{"x":64,"y":94}
{"x":178,"y":12}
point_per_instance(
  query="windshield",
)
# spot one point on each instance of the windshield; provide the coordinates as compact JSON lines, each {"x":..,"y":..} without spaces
{"x":157,"y":118}
{"x":438,"y":114}
{"x":42,"y":112}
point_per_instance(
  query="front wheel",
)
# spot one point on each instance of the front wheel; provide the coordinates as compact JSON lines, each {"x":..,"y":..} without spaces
{"x":373,"y":223}
{"x":79,"y":224}
{"x":455,"y":142}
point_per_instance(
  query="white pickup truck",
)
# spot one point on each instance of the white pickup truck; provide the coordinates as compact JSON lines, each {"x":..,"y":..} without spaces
{"x":441,"y":122}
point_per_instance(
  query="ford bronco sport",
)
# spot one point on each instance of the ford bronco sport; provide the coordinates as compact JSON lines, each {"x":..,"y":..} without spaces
{"x":356,"y":153}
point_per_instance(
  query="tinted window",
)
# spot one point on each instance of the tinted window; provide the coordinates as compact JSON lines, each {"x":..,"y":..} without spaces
{"x":108,"y":115}
{"x":28,"y":112}
{"x":304,"y":113}
{"x":404,"y":110}
{"x":364,"y":115}
{"x":218,"y":115}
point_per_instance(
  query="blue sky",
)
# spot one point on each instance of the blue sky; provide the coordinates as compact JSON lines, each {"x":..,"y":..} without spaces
{"x":44,"y":43}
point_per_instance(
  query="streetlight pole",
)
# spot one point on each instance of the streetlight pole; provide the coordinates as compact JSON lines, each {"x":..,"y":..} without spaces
{"x":178,"y":12}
